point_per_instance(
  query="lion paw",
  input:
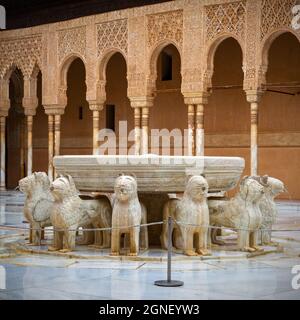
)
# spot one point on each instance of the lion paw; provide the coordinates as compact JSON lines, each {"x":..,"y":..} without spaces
{"x":190,"y":253}
{"x":257,"y":248}
{"x":52,"y":249}
{"x":204,"y":252}
{"x":248,"y":249}
{"x":30,"y":244}
{"x":65,"y":250}
{"x":132,"y":254}
{"x":115,"y":253}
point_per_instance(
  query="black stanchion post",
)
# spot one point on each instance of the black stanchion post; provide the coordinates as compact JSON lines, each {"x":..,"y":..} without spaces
{"x":169,"y":282}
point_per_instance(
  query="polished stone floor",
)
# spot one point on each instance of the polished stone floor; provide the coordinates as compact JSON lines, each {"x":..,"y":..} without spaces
{"x":40,"y":276}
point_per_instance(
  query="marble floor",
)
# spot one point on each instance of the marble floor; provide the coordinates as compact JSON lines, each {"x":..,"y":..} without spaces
{"x":40,"y":276}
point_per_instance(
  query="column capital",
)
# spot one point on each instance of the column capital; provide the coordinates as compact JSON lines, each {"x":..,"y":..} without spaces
{"x":254,"y":96}
{"x":4,"y":107}
{"x":3,"y":113}
{"x":141,"y":102}
{"x":95,"y":106}
{"x":54,"y":109}
{"x":29,"y":111}
{"x":196,"y":98}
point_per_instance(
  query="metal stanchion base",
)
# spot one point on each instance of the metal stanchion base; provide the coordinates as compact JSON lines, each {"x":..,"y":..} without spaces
{"x":171,"y":283}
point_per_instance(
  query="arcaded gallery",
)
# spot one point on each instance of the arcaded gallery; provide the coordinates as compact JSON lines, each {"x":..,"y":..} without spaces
{"x":143,"y":136}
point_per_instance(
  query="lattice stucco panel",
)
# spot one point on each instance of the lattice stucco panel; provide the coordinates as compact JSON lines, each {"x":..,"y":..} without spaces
{"x":275,"y":15}
{"x":165,"y":26}
{"x":71,"y":41}
{"x":25,"y":53}
{"x":112,"y":34}
{"x":225,"y":18}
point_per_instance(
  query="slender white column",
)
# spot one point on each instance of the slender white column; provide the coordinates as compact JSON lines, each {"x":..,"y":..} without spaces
{"x":145,"y":130}
{"x":29,"y":144}
{"x":137,"y":130}
{"x":200,"y":130}
{"x":22,"y":148}
{"x":96,"y":116}
{"x":2,"y":139}
{"x":57,"y":120}
{"x":50,"y":146}
{"x":254,"y":138}
{"x":191,"y":129}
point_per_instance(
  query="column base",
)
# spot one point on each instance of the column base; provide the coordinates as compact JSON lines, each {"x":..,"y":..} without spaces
{"x":3,"y":188}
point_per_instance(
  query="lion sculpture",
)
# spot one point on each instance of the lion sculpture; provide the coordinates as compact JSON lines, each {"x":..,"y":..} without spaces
{"x":126,"y":216}
{"x":242,"y":213}
{"x":273,"y":187}
{"x":38,"y":204}
{"x":191,"y":209}
{"x":71,"y":212}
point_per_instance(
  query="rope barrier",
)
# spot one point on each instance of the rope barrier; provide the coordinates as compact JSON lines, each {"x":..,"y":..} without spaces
{"x":10,"y":227}
{"x":225,"y":228}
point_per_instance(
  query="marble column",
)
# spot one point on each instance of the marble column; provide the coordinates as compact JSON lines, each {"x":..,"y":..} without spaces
{"x":57,"y":121}
{"x":96,"y":117}
{"x":145,"y":130}
{"x":2,"y":158}
{"x":191,"y":129}
{"x":137,"y":130}
{"x":200,"y":130}
{"x":96,"y":107}
{"x":254,"y":138}
{"x":50,"y":146}
{"x":22,"y":148}
{"x":253,"y":97}
{"x":29,"y":144}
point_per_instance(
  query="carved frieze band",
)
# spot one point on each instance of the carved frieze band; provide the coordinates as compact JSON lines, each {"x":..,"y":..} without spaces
{"x":112,"y":34}
{"x":24,"y":53}
{"x":165,"y":26}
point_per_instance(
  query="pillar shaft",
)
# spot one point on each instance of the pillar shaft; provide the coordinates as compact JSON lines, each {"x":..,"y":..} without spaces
{"x":57,"y":120}
{"x":2,"y":158}
{"x":254,"y":138}
{"x":191,"y":129}
{"x":29,"y":144}
{"x":50,"y":146}
{"x":22,"y":149}
{"x":137,"y":130}
{"x":145,"y":130}
{"x":200,"y":130}
{"x":96,"y":117}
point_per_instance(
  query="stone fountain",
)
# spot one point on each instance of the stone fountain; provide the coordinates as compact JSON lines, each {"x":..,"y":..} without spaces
{"x":157,"y":177}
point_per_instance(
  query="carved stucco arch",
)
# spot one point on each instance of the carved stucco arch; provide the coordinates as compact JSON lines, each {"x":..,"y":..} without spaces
{"x":152,"y":65}
{"x":18,"y":85}
{"x":10,"y":70}
{"x":65,"y":66}
{"x":268,"y":41}
{"x":101,"y":67}
{"x":210,"y":56}
{"x":62,"y":76}
{"x":36,"y":70}
{"x":103,"y":61}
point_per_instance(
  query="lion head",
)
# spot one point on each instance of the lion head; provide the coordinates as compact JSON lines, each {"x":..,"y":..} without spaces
{"x":63,"y":187}
{"x":273,"y":187}
{"x":251,"y":189}
{"x":36,"y":182}
{"x":196,"y":188}
{"x":125,"y":188}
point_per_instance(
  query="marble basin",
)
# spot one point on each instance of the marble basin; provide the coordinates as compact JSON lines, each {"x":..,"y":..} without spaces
{"x":154,"y":174}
